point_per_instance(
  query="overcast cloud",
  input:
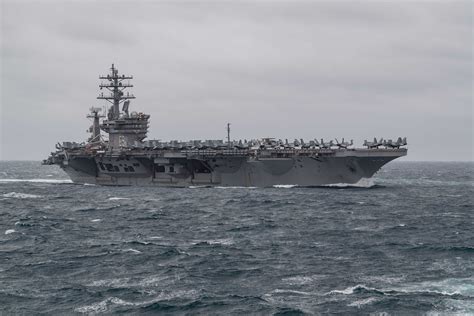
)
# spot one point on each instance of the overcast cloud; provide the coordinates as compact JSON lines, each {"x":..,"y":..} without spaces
{"x":354,"y":69}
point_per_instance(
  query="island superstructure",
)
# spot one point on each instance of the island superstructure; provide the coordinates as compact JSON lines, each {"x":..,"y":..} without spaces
{"x":121,"y":155}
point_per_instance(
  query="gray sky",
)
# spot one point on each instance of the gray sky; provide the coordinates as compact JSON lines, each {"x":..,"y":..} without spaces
{"x":284,"y":69}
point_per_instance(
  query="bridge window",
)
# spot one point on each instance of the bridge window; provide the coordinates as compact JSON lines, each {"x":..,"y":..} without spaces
{"x":131,"y":169}
{"x":160,"y":168}
{"x":116,"y":169}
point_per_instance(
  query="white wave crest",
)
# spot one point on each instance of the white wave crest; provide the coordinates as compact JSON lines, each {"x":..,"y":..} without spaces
{"x":127,"y":282}
{"x":226,"y":241}
{"x":112,"y":283}
{"x":283,"y":291}
{"x":102,"y":306}
{"x":132,"y":250}
{"x":447,"y":287}
{"x":298,"y":280}
{"x":350,"y":290}
{"x":223,"y":241}
{"x":218,"y":187}
{"x":360,"y":303}
{"x":108,"y":303}
{"x":10,"y":231}
{"x":17,"y":195}
{"x":58,"y":181}
{"x":114,"y":198}
{"x":362,"y":183}
{"x":235,"y":187}
{"x":285,"y":186}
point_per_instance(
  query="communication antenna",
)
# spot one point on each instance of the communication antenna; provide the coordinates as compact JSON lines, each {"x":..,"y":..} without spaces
{"x":228,"y":135}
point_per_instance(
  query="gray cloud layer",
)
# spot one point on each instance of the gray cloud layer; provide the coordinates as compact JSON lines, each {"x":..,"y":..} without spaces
{"x":355,"y":69}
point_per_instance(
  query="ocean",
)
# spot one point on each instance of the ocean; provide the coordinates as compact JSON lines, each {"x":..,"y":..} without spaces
{"x":399,"y":244}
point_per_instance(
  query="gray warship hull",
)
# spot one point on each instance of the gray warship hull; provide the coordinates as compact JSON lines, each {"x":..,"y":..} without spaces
{"x":124,"y":158}
{"x":228,"y":168}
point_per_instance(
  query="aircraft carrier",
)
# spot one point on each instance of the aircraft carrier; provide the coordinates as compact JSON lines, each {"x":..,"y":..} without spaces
{"x":122,"y":156}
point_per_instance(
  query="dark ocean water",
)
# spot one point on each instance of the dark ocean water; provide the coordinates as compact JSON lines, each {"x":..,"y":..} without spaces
{"x":403,"y":244}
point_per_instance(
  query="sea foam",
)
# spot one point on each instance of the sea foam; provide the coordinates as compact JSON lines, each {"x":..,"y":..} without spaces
{"x":53,"y":181}
{"x":17,"y":195}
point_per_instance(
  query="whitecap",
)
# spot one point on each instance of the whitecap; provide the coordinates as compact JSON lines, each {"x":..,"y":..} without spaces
{"x":94,"y":308}
{"x":362,"y":183}
{"x":366,"y":301}
{"x":234,"y":187}
{"x":284,"y":291}
{"x":17,"y":195}
{"x":224,"y":241}
{"x":101,"y":306}
{"x":350,"y":290}
{"x":96,"y":220}
{"x":299,"y":280}
{"x":285,"y":186}
{"x":104,"y":305}
{"x":132,"y":250}
{"x":152,"y":281}
{"x":118,"y":198}
{"x":448,"y":287}
{"x":127,"y":282}
{"x":10,"y":231}
{"x":113,"y":283}
{"x":58,"y":181}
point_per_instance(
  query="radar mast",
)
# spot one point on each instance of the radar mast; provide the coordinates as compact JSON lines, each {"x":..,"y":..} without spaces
{"x":116,"y":88}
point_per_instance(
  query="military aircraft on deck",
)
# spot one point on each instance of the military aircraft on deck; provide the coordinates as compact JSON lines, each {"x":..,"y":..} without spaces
{"x":344,"y":144}
{"x":374,"y":144}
